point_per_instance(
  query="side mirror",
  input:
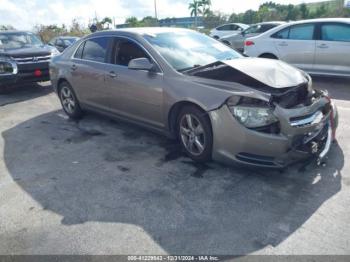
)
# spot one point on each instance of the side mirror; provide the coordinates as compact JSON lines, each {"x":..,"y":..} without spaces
{"x":140,"y":64}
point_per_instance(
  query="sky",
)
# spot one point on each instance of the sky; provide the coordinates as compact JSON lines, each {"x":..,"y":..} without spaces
{"x":25,"y":14}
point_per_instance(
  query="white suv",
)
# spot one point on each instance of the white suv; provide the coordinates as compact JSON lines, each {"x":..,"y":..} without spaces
{"x":318,"y":46}
{"x":227,"y":29}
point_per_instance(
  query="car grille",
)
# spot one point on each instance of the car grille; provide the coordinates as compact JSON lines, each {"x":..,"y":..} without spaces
{"x":32,"y":59}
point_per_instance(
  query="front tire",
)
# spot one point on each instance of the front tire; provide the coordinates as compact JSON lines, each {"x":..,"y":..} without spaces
{"x":195,"y":133}
{"x":69,"y":101}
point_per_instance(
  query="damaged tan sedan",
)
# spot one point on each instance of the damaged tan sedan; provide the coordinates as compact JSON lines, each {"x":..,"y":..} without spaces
{"x":186,"y":85}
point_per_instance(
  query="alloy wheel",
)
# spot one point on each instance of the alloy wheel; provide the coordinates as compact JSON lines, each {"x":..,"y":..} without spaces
{"x":68,"y":100}
{"x":192,"y":134}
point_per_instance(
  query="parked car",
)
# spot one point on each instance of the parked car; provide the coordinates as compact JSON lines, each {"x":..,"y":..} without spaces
{"x":236,"y":41}
{"x":319,"y":46}
{"x":62,"y":42}
{"x":186,"y":85}
{"x":23,"y":58}
{"x":227,"y":29}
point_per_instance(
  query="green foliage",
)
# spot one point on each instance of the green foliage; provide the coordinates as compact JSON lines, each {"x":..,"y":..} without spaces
{"x":270,"y":11}
{"x":147,"y":21}
{"x":47,"y":32}
{"x":6,"y":27}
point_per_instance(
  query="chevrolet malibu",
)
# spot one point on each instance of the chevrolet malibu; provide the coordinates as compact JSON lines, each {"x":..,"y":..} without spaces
{"x":218,"y":104}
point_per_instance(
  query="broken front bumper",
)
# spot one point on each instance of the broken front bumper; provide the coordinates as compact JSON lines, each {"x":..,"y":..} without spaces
{"x":304,"y":133}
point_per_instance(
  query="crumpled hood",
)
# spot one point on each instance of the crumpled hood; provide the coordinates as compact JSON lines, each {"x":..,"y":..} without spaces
{"x":273,"y":73}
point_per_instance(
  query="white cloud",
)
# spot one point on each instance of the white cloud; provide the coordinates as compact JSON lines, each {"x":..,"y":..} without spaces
{"x":24,"y":14}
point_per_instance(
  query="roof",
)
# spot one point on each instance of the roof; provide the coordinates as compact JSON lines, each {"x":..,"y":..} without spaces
{"x":318,"y":20}
{"x":143,"y":30}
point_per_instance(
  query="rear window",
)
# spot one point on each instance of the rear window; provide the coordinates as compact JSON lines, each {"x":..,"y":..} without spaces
{"x":79,"y":52}
{"x":335,"y":32}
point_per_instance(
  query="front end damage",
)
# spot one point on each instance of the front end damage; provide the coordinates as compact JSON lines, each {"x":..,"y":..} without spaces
{"x":294,"y":123}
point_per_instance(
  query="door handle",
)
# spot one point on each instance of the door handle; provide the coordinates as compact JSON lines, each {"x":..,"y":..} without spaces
{"x":283,"y":44}
{"x":74,"y":67}
{"x":112,"y":74}
{"x":322,"y":46}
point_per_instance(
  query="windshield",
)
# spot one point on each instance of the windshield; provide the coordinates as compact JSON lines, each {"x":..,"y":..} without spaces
{"x":185,"y":50}
{"x":253,"y":29}
{"x":69,"y":41}
{"x":18,"y":40}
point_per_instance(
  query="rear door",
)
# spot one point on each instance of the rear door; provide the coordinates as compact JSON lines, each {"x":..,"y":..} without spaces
{"x":333,"y":49}
{"x":136,"y":94}
{"x":88,"y":70}
{"x":296,"y":45}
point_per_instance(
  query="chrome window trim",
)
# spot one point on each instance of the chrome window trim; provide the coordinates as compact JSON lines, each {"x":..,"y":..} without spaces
{"x":116,"y":36}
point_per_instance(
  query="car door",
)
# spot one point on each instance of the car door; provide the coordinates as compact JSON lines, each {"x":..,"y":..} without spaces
{"x":333,"y":49}
{"x":136,"y":94}
{"x":88,"y":70}
{"x":296,"y":45}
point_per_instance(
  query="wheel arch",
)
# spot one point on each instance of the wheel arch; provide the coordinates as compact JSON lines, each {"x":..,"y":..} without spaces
{"x":174,"y":112}
{"x":268,"y":54}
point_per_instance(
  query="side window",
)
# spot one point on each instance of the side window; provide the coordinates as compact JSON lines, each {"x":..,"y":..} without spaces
{"x":302,"y":32}
{"x":79,"y":52}
{"x":128,"y":50}
{"x":223,"y":28}
{"x":96,"y":49}
{"x":265,"y":28}
{"x":283,"y":34}
{"x":234,"y":27}
{"x":335,"y":32}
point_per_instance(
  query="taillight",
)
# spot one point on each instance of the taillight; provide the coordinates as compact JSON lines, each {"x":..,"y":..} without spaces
{"x":248,"y":43}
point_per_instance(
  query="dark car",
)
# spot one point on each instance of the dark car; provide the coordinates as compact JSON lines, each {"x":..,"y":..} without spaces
{"x":62,"y":42}
{"x":23,"y":59}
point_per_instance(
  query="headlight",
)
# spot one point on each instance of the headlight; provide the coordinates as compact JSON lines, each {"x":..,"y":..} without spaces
{"x":54,"y":52}
{"x":7,"y":66}
{"x":253,"y":117}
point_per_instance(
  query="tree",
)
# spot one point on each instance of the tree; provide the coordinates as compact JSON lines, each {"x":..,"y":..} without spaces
{"x":204,"y":7}
{"x":106,"y":21}
{"x":149,"y":21}
{"x":304,"y":11}
{"x":194,"y":8}
{"x":132,"y":22}
{"x":6,"y":27}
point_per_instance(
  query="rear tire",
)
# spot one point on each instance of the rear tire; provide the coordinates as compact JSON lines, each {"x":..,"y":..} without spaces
{"x":69,"y":101}
{"x":195,"y":133}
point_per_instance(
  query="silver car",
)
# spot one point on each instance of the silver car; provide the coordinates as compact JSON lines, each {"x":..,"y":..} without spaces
{"x":236,"y":41}
{"x":186,"y":85}
{"x":318,"y":46}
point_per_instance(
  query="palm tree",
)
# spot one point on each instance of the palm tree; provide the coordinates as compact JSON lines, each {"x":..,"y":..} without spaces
{"x":194,"y":7}
{"x":204,"y":7}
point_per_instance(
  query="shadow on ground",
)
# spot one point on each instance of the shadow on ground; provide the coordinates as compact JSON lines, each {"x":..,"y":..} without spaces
{"x":24,"y":93}
{"x":106,"y":171}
